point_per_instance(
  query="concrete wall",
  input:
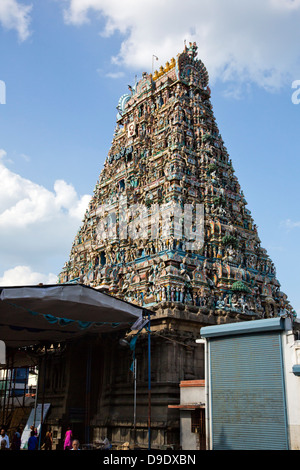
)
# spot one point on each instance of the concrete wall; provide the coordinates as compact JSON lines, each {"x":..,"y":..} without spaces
{"x":188,"y":439}
{"x":191,"y":392}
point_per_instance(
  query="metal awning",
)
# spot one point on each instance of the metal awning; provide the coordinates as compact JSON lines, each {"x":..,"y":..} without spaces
{"x":246,"y":327}
{"x":34,"y":314}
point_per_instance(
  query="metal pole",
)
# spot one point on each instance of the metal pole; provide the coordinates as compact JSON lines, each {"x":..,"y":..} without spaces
{"x":43,"y":398}
{"x":2,"y":375}
{"x":36,"y":389}
{"x":207,"y":390}
{"x":10,"y":387}
{"x":149,"y":384}
{"x":88,"y":393}
{"x":5,"y":394}
{"x":15,"y":371}
{"x":153,"y":56}
{"x":26,"y":382}
{"x":134,"y":404}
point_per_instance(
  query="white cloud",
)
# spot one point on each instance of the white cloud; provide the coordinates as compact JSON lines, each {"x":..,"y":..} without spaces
{"x":23,"y":202}
{"x":25,"y":157}
{"x":37,"y":226}
{"x":112,"y":74}
{"x":289,"y":224}
{"x":24,"y":276}
{"x":2,"y":154}
{"x":115,"y":75}
{"x":238,"y":41}
{"x":15,"y":15}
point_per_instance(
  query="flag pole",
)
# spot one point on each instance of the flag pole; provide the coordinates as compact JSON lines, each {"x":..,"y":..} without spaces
{"x":149,"y":383}
{"x":153,"y":56}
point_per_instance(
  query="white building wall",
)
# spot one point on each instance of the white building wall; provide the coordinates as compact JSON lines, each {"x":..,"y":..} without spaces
{"x":291,"y":357}
{"x":191,"y":392}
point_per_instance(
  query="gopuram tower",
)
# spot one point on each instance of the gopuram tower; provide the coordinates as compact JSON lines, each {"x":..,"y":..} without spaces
{"x":168,"y":228}
{"x":168,"y":183}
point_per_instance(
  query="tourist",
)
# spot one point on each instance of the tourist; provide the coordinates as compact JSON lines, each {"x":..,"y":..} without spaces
{"x":16,"y":440}
{"x":75,"y":445}
{"x":48,"y":441}
{"x":3,"y":445}
{"x":32,"y":441}
{"x":105,"y":444}
{"x":33,"y":429}
{"x":4,"y":436}
{"x":68,"y":439}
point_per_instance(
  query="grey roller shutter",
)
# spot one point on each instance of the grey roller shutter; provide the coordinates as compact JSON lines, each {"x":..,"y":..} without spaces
{"x":247,"y":393}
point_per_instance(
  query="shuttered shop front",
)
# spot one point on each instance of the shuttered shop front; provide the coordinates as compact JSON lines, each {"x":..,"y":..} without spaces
{"x":247,"y":394}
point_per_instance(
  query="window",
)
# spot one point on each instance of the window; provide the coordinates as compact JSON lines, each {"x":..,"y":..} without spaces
{"x":198,"y":426}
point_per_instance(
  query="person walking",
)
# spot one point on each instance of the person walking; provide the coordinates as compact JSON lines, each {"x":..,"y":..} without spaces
{"x":32,"y":441}
{"x":16,"y":440}
{"x":4,"y":436}
{"x":68,"y":439}
{"x":48,"y":441}
{"x":32,"y":428}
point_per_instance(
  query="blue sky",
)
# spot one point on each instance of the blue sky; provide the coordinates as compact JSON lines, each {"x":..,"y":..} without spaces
{"x":65,"y":63}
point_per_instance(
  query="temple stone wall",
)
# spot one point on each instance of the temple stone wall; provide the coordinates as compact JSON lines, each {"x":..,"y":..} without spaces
{"x":98,"y":385}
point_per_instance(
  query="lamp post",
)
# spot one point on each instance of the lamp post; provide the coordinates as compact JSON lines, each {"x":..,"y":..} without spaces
{"x":140,"y":324}
{"x":123,"y":342}
{"x":134,"y":401}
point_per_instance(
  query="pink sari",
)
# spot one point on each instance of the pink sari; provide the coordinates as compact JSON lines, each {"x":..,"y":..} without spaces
{"x":68,"y":440}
